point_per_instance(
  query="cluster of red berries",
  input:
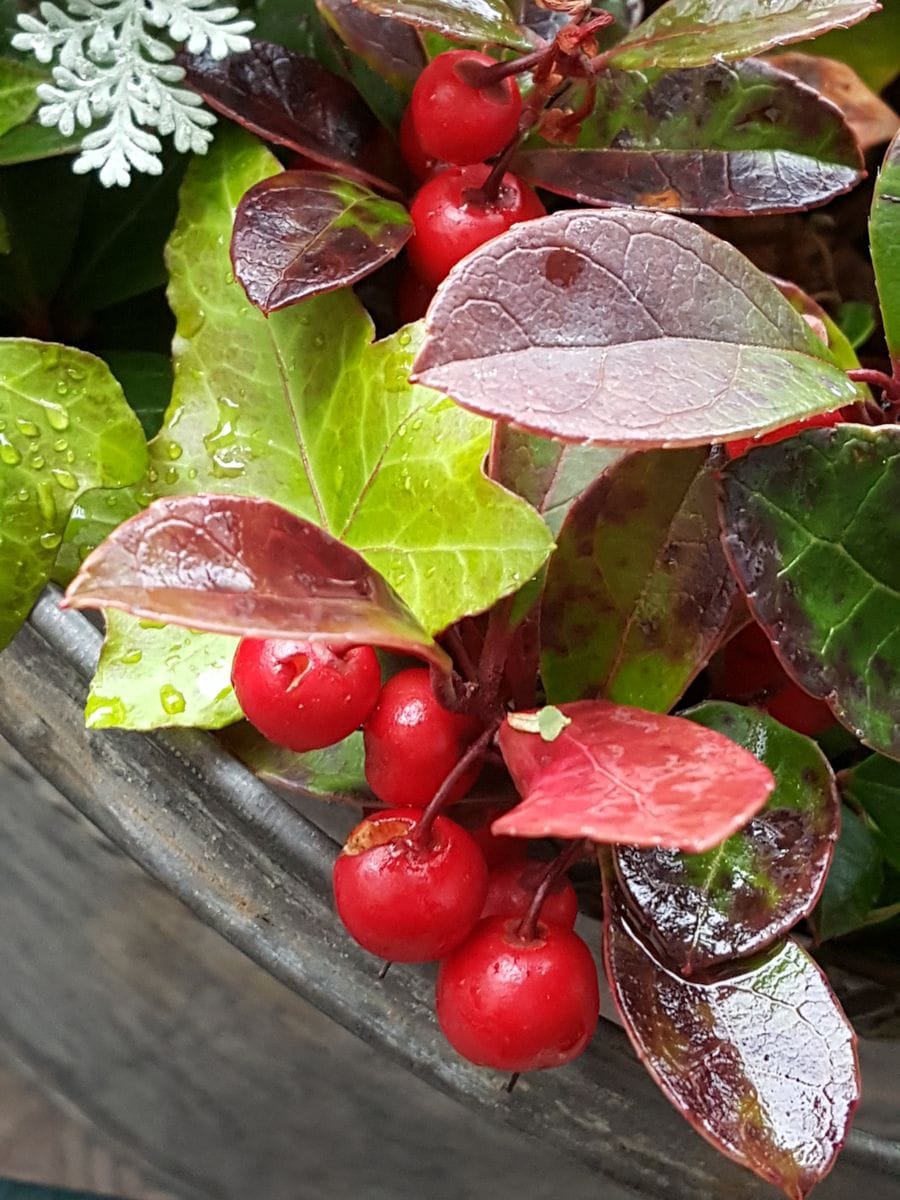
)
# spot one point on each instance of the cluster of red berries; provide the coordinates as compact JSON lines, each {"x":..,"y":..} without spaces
{"x":517,"y":987}
{"x":453,"y":123}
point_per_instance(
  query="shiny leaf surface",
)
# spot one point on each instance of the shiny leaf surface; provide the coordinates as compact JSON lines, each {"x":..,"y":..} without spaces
{"x":18,"y":91}
{"x":335,"y":773}
{"x":391,"y":48}
{"x":854,"y":881}
{"x":874,"y":787}
{"x":884,"y":235}
{"x":461,"y":20}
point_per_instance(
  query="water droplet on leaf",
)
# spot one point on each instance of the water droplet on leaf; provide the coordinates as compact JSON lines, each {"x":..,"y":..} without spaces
{"x":58,"y":418}
{"x":171,"y":699}
{"x":50,"y":540}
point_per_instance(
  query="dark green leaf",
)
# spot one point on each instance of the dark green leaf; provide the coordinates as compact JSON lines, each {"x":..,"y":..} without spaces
{"x":32,"y":141}
{"x":462,"y":20}
{"x":336,"y":773}
{"x":874,"y":786}
{"x":18,"y":91}
{"x":691,"y":33}
{"x":812,"y":532}
{"x":857,"y":322}
{"x":146,"y":379}
{"x":871,"y":49}
{"x":727,"y":139}
{"x":94,"y":516}
{"x":884,"y":235}
{"x":638,"y":592}
{"x":854,"y":881}
{"x":739,"y":898}
{"x":297,"y":25}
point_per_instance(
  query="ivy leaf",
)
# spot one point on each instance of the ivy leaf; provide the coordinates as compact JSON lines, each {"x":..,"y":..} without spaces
{"x":302,"y":233}
{"x":620,"y":774}
{"x":810,"y":533}
{"x":854,"y":881}
{"x":391,"y":48}
{"x":18,"y":92}
{"x":335,"y":773}
{"x":761,"y":1063}
{"x":884,"y":236}
{"x":95,"y":514}
{"x":461,"y":20}
{"x":757,"y":141}
{"x":691,"y":33}
{"x":874,"y":787}
{"x":231,"y":564}
{"x":740,"y":897}
{"x":638,"y":592}
{"x":64,"y":428}
{"x":560,"y":326}
{"x":196,"y":669}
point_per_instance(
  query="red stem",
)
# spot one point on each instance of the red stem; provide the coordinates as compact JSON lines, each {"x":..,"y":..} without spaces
{"x":461,"y":654}
{"x":527,"y":930}
{"x":878,"y":379}
{"x":422,"y":830}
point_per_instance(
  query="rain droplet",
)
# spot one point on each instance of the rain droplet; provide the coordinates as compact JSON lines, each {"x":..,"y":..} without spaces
{"x":171,"y":475}
{"x":46,"y":501}
{"x":65,"y":479}
{"x":28,"y":428}
{"x":50,"y":540}
{"x":50,"y":356}
{"x":145,"y":623}
{"x":9,"y":454}
{"x":23,"y":495}
{"x":70,"y":456}
{"x":76,"y":373}
{"x":404,"y":339}
{"x":62,"y":388}
{"x":171,"y":699}
{"x":37,"y":462}
{"x":101,"y":711}
{"x":58,"y":418}
{"x":192,"y":322}
{"x":173,"y":450}
{"x":60,"y":444}
{"x":130,"y":657}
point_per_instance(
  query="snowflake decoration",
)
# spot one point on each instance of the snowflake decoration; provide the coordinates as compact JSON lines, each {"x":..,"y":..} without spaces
{"x":111,"y":68}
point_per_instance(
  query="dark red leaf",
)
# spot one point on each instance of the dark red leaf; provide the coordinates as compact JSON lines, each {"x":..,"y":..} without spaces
{"x":620,"y":774}
{"x":391,"y":48}
{"x":229,"y":564}
{"x":293,"y":101}
{"x":302,"y":233}
{"x":762,"y":1063}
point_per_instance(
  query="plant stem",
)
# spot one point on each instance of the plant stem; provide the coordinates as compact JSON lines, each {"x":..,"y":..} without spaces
{"x":422,"y":830}
{"x":461,"y":654}
{"x":486,"y":76}
{"x":527,"y":930}
{"x":888,"y":384}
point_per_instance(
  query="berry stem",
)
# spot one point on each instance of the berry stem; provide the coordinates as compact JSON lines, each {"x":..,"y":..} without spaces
{"x":484,"y":77}
{"x":877,"y":379}
{"x":527,"y":930}
{"x":461,"y":654}
{"x":422,"y":830}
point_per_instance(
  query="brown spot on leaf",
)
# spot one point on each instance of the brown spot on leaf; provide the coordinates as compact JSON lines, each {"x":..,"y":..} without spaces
{"x":563,"y":267}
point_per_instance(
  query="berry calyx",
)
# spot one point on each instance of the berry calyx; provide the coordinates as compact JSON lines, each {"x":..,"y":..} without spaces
{"x":405,"y":901}
{"x":452,"y":216}
{"x":456,"y":121}
{"x":518,"y":1004}
{"x":511,"y":889}
{"x":305,"y":695}
{"x":820,"y":421}
{"x":413,"y":743}
{"x":796,"y":709}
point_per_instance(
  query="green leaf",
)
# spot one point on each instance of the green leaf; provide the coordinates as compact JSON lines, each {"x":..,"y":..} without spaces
{"x":691,"y":33}
{"x":548,"y":722}
{"x":638,"y":592}
{"x":146,"y":379}
{"x":18,"y":92}
{"x":151,"y":675}
{"x":811,"y":529}
{"x":884,"y":236}
{"x":31,"y":142}
{"x":335,"y":773}
{"x":854,"y":881}
{"x":93,"y":517}
{"x":856,"y":321}
{"x":64,"y":428}
{"x":871,"y":49}
{"x":462,"y":20}
{"x":874,"y":786}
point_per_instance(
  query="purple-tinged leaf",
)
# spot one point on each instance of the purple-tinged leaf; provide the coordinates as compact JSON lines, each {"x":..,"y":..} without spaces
{"x":229,"y":564}
{"x":762,"y":1063}
{"x":638,"y":592}
{"x":291,"y":100}
{"x":811,"y":531}
{"x":691,"y":33}
{"x":462,"y":20}
{"x":740,"y":897}
{"x":884,"y":234}
{"x":335,"y":773}
{"x":624,"y":328}
{"x":302,"y":233}
{"x":391,"y":48}
{"x":757,"y":141}
{"x":620,"y":774}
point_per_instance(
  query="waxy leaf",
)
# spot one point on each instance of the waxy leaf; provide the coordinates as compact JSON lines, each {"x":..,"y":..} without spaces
{"x":762,"y":1063}
{"x":638,"y":592}
{"x":335,"y":773}
{"x":623,"y":328}
{"x":462,"y":20}
{"x":302,"y":233}
{"x":231,"y":564}
{"x":738,"y":898}
{"x":293,"y":101}
{"x":871,"y":49}
{"x":874,"y":787}
{"x":32,"y":141}
{"x":64,"y":428}
{"x":620,"y":774}
{"x":727,"y":139}
{"x":391,"y":48}
{"x":18,"y":91}
{"x":854,"y":881}
{"x":871,"y":120}
{"x":812,"y":534}
{"x":690,"y":33}
{"x":884,"y":236}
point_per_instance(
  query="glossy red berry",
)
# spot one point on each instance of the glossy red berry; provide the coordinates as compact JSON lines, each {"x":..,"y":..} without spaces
{"x":518,"y":1005}
{"x":413,"y":297}
{"x":511,"y":890}
{"x":413,"y":743}
{"x":451,"y":217}
{"x":799,"y":711}
{"x":498,"y":851}
{"x":454,"y":120}
{"x":421,"y":165}
{"x":403,"y":901}
{"x":820,"y":421}
{"x":305,"y":695}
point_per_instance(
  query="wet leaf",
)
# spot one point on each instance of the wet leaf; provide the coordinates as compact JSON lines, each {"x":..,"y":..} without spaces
{"x":391,"y":48}
{"x":620,"y":774}
{"x":871,"y":120}
{"x":874,"y":786}
{"x":293,"y":101}
{"x":762,"y":1063}
{"x":561,"y":326}
{"x":854,"y":881}
{"x":94,"y":516}
{"x":235,"y":565}
{"x":64,"y":428}
{"x":811,"y":535}
{"x":691,"y":33}
{"x":335,"y":773}
{"x":461,"y":20}
{"x":743,"y":895}
{"x":884,"y":236}
{"x":727,"y":139}
{"x":638,"y":592}
{"x":302,"y":233}
{"x":18,"y":91}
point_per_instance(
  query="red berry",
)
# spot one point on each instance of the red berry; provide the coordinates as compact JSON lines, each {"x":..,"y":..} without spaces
{"x":451,"y":217}
{"x":420,"y":164}
{"x":799,"y":711}
{"x":305,"y":695}
{"x":511,"y":890}
{"x":403,"y":901}
{"x":413,"y":742}
{"x":413,"y":297}
{"x":518,"y":1005}
{"x":498,"y":851}
{"x":819,"y":421}
{"x":457,"y":122}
